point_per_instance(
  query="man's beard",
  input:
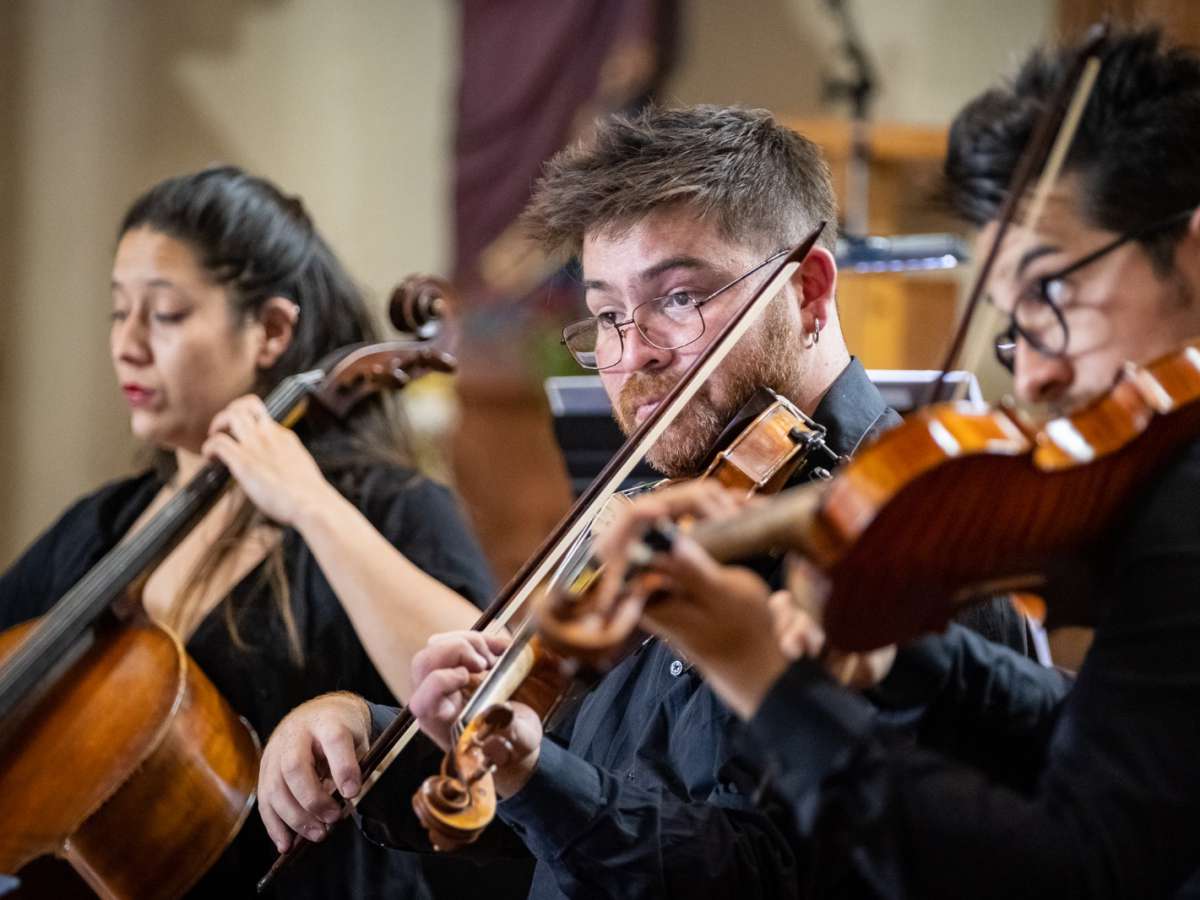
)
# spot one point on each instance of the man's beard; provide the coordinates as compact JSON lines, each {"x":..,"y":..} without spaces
{"x":768,"y":356}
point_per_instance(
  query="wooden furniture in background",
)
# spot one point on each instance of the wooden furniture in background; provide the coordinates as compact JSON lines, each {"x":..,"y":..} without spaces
{"x":894,"y":320}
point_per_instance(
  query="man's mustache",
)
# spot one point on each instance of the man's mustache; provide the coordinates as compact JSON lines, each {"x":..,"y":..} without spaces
{"x":641,"y":388}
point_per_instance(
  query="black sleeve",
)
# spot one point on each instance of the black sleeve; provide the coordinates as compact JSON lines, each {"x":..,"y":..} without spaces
{"x":976,"y":701}
{"x":602,"y":836}
{"x":26,"y":588}
{"x":59,"y":557}
{"x":423,"y":520}
{"x":999,"y":621}
{"x":1114,"y":808}
{"x":68,"y":549}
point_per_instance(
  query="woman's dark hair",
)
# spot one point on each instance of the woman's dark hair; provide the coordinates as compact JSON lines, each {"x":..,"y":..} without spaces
{"x":260,"y":243}
{"x":1135,"y":149}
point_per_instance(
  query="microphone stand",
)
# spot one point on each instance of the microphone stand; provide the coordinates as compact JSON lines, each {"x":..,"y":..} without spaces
{"x":859,"y":87}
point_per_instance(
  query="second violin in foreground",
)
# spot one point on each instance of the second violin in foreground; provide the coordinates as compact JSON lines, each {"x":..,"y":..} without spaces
{"x":959,"y":502}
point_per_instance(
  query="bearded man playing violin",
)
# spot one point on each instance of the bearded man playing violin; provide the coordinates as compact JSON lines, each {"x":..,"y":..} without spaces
{"x":1024,"y":784}
{"x":645,"y":791}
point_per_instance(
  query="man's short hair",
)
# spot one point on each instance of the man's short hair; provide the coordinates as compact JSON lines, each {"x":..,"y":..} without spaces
{"x":1135,"y":151}
{"x":762,"y":184}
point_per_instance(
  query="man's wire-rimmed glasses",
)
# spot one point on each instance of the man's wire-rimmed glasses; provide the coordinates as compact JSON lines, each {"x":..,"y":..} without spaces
{"x":1038,"y":319}
{"x":667,"y":323}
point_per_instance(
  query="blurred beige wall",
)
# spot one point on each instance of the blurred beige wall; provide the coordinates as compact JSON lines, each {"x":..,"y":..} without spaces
{"x":346,"y":103}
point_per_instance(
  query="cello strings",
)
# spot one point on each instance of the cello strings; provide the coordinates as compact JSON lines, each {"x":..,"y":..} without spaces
{"x":122,"y":565}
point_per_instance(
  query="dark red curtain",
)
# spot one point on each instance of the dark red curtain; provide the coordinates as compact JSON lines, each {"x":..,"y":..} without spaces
{"x":535,"y":74}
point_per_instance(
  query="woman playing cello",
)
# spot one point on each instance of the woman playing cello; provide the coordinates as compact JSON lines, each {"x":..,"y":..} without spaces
{"x":299,"y":580}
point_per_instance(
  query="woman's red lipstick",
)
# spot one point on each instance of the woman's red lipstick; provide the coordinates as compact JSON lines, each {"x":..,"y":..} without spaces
{"x":137,"y":395}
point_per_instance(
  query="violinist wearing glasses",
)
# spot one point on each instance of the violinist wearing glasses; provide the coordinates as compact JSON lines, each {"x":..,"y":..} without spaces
{"x":1024,"y":784}
{"x":304,"y":579}
{"x":645,"y":791}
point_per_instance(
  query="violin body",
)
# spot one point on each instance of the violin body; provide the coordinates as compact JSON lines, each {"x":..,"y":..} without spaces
{"x":760,"y":460}
{"x":963,"y":501}
{"x":768,"y":451}
{"x":131,"y":767}
{"x":959,"y":501}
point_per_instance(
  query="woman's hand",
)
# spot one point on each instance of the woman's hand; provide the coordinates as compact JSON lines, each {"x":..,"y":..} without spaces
{"x":269,"y":462}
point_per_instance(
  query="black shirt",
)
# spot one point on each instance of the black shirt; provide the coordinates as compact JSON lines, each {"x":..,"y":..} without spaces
{"x":1090,"y":790}
{"x":261,"y":682}
{"x":648,"y":790}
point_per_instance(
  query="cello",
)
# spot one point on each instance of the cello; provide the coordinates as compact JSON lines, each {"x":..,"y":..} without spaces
{"x":108,"y":728}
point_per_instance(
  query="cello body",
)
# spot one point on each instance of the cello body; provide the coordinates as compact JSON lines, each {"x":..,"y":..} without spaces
{"x":131,"y":768}
{"x":117,"y":754}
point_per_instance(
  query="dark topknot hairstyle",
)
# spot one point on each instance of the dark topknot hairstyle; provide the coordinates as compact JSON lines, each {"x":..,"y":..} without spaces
{"x":1134,"y":151}
{"x":761,"y":183}
{"x":259,"y":243}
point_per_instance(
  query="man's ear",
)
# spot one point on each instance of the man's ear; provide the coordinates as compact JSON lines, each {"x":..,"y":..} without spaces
{"x":816,"y":285}
{"x":277,"y":318}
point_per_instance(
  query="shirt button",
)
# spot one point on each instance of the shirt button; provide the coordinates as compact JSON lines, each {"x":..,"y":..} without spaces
{"x":676,"y":667}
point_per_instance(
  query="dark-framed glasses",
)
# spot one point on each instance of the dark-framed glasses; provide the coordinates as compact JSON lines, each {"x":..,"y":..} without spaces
{"x":1037,"y":317}
{"x":668,"y":323}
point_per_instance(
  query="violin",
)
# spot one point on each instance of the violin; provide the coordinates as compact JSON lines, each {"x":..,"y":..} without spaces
{"x":117,"y":754}
{"x":456,"y":805}
{"x":760,"y":460}
{"x":898,"y":530}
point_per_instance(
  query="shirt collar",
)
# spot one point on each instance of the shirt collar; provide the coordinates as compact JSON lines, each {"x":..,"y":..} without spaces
{"x":853,"y":410}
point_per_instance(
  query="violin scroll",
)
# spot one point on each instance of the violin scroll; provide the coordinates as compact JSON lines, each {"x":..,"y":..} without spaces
{"x":418,"y":306}
{"x":456,"y":805}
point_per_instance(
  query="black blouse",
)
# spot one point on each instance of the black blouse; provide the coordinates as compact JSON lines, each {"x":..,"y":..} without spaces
{"x":261,"y":681}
